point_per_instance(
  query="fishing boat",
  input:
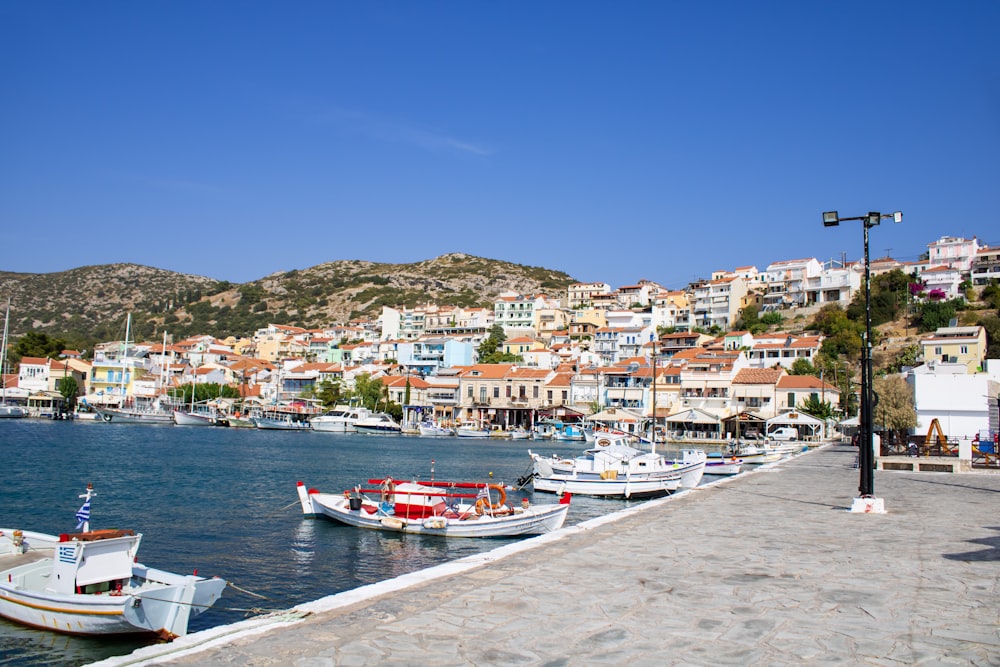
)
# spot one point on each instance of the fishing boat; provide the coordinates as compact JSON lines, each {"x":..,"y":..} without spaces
{"x":446,"y":509}
{"x":89,"y":583}
{"x":7,"y":411}
{"x":340,"y":419}
{"x":377,"y":423}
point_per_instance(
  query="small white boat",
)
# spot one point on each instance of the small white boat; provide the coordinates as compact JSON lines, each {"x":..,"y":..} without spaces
{"x":340,"y":419}
{"x":281,"y":422}
{"x":520,"y":434}
{"x":88,"y":583}
{"x":728,"y":465}
{"x":199,"y":418}
{"x":471,"y":430}
{"x":430,"y":429}
{"x":446,"y":509}
{"x":377,"y":423}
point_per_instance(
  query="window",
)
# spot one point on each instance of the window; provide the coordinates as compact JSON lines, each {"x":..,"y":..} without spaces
{"x":496,"y":391}
{"x":791,"y":399}
{"x":564,"y":396}
{"x":937,"y":350}
{"x":548,"y":395}
{"x":482,"y":394}
{"x":964,"y":349}
{"x":534,"y":391}
{"x":470,"y":391}
{"x":508,"y":391}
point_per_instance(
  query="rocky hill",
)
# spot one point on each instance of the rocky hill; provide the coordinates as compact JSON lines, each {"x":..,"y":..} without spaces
{"x":90,"y":303}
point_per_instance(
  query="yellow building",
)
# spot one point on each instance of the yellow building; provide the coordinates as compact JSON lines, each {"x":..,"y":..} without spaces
{"x":963,"y":345}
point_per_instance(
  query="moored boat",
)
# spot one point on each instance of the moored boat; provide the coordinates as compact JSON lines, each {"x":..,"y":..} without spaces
{"x":446,"y":509}
{"x":89,"y":583}
{"x":377,"y":423}
{"x":471,"y":430}
{"x":340,"y":419}
{"x":430,"y":429}
{"x":614,"y":468}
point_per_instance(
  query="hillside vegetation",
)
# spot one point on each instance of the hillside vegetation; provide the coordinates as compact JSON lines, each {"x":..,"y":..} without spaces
{"x":90,"y":303}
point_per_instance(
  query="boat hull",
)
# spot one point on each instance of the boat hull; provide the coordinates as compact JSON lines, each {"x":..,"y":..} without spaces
{"x":607,"y":488}
{"x":116,"y":416}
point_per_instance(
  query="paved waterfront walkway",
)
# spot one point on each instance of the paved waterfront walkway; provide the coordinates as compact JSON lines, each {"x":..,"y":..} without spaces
{"x":766,"y":569}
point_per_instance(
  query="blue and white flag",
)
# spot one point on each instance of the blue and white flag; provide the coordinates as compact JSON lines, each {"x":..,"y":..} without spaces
{"x":83,"y":515}
{"x":484,"y":492}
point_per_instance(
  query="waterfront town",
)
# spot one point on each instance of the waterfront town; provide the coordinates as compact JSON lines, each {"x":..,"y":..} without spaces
{"x":629,"y":357}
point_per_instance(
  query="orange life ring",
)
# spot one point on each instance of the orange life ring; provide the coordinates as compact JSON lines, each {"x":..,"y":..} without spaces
{"x":483,"y":503}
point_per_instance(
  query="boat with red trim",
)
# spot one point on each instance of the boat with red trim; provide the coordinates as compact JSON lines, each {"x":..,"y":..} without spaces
{"x":446,"y":509}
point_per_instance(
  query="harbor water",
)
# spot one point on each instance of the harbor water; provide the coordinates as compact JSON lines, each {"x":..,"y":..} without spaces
{"x":223,"y":502}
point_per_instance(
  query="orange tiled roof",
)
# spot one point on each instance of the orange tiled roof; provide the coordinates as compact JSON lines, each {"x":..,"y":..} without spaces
{"x":758,"y":376}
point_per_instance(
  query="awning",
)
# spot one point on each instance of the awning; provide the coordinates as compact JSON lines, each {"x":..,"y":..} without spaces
{"x":613,"y":415}
{"x":693,"y":416}
{"x":795,"y":419}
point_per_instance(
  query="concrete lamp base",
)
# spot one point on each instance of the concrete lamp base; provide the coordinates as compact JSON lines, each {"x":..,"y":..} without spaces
{"x":868,"y":505}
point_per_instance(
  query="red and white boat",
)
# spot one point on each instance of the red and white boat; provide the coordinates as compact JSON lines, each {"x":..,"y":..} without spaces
{"x":447,"y":509}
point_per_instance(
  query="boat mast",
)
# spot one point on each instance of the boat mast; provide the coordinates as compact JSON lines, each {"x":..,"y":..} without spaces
{"x":3,"y":356}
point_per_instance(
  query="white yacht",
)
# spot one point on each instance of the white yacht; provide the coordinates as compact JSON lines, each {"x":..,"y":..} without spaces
{"x":341,"y":419}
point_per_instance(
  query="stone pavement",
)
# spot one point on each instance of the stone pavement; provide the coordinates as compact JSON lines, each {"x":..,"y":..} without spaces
{"x":768,"y":568}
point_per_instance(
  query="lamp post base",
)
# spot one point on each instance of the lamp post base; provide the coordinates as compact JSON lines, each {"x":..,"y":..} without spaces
{"x":868,"y":505}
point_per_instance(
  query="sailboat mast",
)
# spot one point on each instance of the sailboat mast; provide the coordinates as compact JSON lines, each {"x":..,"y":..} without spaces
{"x":3,"y":355}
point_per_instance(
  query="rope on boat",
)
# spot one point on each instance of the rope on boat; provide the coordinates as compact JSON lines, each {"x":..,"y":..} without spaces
{"x":282,"y":509}
{"x":243,"y":590}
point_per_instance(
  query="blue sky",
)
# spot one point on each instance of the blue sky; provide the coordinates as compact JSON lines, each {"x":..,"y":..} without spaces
{"x":614,"y":141}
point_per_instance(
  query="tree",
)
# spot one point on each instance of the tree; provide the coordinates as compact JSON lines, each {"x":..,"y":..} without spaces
{"x":803,"y":366}
{"x":38,"y":344}
{"x":992,"y":325}
{"x":68,"y":388}
{"x":489,"y":349}
{"x":817,"y":408}
{"x":905,"y":357}
{"x":894,"y":410}
{"x":329,"y":393}
{"x":935,"y":314}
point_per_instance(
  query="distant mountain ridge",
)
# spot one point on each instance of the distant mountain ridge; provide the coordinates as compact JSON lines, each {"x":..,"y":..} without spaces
{"x":90,"y":303}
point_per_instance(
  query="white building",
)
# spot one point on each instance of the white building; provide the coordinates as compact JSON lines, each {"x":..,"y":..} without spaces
{"x":959,"y":400}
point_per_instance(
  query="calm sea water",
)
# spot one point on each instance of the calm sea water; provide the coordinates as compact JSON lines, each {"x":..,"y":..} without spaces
{"x":223,"y":502}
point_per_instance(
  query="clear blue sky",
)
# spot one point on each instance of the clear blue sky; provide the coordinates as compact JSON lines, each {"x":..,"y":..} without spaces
{"x":611,"y":140}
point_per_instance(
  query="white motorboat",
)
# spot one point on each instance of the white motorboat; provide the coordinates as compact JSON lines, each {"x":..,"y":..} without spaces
{"x":614,"y":468}
{"x":377,"y":423}
{"x":430,"y":429}
{"x":281,"y":422}
{"x":471,"y":430}
{"x":89,"y":583}
{"x":446,"y":509}
{"x":340,"y":419}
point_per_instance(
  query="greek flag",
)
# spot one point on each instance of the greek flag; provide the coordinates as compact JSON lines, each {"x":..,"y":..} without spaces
{"x":484,"y":492}
{"x":83,"y":515}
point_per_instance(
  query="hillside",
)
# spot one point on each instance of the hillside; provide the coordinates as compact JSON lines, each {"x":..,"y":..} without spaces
{"x":90,"y":303}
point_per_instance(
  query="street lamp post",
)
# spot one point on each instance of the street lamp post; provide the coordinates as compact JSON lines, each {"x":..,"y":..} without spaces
{"x":866,"y":449}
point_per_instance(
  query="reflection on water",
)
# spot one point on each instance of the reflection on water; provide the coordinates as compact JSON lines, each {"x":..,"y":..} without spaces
{"x":223,"y":501}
